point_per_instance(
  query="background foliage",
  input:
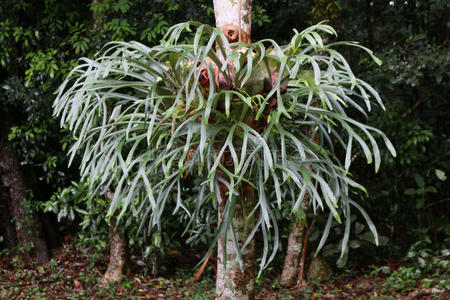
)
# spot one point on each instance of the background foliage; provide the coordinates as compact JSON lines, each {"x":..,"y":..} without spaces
{"x":408,"y":198}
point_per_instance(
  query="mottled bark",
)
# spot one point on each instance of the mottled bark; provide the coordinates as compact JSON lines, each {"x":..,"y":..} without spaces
{"x":28,"y":226}
{"x":295,"y":245}
{"x":233,"y":17}
{"x":119,"y":262}
{"x":232,"y":282}
{"x":293,"y":252}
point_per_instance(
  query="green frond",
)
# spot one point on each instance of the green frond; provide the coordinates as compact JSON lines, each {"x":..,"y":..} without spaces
{"x":144,"y":118}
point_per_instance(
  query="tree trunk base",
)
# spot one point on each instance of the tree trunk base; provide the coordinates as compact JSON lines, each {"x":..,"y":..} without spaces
{"x":119,"y":262}
{"x":232,"y":283}
{"x":28,"y":226}
{"x":294,"y":249}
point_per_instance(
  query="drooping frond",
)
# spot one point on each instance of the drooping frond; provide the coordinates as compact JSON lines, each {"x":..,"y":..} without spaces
{"x":144,"y":118}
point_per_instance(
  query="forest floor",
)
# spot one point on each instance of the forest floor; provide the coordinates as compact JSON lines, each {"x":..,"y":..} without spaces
{"x":76,"y":274}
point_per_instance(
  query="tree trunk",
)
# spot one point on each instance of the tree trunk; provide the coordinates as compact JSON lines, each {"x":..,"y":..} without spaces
{"x":119,"y":262}
{"x":293,"y":253}
{"x":233,"y":17}
{"x":28,"y":226}
{"x":289,"y":274}
{"x":232,"y":282}
{"x":6,"y":225}
{"x":234,"y":20}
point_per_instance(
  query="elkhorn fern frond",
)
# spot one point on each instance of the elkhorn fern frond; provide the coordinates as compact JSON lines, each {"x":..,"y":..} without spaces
{"x":146,"y":117}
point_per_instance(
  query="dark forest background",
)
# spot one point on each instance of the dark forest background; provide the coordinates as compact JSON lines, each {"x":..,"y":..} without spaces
{"x":43,"y":203}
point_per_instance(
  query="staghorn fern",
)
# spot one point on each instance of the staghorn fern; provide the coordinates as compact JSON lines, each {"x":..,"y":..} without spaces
{"x":146,"y":117}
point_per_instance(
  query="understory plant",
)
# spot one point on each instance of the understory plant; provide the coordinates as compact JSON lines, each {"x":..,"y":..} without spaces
{"x":233,"y":115}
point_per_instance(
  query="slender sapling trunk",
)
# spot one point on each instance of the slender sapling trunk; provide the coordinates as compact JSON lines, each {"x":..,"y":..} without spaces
{"x":119,"y":262}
